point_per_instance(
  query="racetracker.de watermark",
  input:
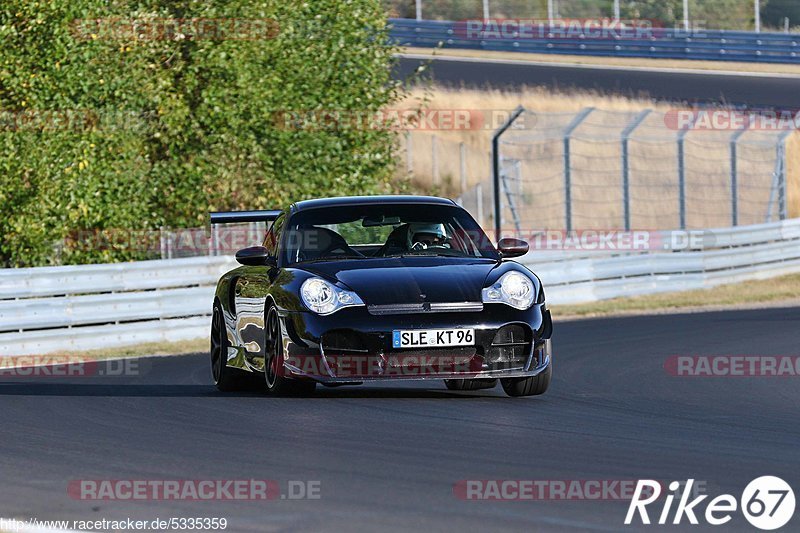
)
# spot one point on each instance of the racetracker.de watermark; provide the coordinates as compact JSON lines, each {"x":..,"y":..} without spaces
{"x":229,"y":239}
{"x":550,"y":489}
{"x":394,"y":365}
{"x":557,"y":28}
{"x":68,"y":366}
{"x":732,"y":366}
{"x":399,"y":119}
{"x":765,"y":120}
{"x":193,"y":489}
{"x":174,"y":29}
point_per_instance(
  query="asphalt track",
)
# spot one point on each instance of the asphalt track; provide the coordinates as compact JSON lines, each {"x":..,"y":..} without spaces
{"x":388,"y":456}
{"x":778,"y":91}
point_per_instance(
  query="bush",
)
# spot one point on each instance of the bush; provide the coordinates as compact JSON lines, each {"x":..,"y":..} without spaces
{"x":101,"y":130}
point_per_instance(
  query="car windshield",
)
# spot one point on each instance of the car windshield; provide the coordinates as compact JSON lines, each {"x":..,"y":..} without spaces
{"x":384,"y":230}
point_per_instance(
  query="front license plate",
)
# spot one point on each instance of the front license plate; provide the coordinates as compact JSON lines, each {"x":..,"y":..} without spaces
{"x":427,"y":338}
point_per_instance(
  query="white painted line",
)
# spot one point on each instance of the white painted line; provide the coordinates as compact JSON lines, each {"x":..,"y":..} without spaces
{"x":523,"y":62}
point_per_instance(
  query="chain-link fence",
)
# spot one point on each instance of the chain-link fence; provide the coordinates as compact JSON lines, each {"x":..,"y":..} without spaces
{"x":599,"y":169}
{"x":441,"y":164}
{"x":700,"y":14}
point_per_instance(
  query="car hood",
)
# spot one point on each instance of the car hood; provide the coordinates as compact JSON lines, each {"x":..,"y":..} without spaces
{"x":409,"y":279}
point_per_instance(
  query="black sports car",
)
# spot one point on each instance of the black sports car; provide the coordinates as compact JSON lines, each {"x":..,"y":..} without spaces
{"x":355,"y":289}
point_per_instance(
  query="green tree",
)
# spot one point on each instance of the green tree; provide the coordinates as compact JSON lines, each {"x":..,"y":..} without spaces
{"x":161,"y":130}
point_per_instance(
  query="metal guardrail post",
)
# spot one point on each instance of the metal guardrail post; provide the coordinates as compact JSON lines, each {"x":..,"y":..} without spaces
{"x":626,"y":187}
{"x":735,"y":176}
{"x":496,"y":167}
{"x":567,"y":170}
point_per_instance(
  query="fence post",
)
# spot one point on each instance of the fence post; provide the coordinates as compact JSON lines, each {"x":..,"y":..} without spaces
{"x":462,"y":154}
{"x":735,"y":175}
{"x":567,"y":171}
{"x":252,"y":233}
{"x":626,"y":187}
{"x":162,"y":242}
{"x":435,"y":159}
{"x":419,"y":9}
{"x":782,"y":176}
{"x":479,"y":201}
{"x":682,"y":173}
{"x":215,"y":239}
{"x":409,"y":154}
{"x":496,"y":167}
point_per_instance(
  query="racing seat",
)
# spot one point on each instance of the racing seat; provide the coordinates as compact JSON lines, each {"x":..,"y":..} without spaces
{"x":316,"y":242}
{"x":396,"y":242}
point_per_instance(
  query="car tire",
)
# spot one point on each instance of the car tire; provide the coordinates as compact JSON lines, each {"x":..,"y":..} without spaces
{"x":226,"y":379}
{"x":532,"y":386}
{"x":470,"y":384}
{"x":276,"y":384}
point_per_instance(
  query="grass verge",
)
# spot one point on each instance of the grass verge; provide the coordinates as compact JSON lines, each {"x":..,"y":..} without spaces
{"x":774,"y":292}
{"x":123,"y":352}
{"x":678,"y":64}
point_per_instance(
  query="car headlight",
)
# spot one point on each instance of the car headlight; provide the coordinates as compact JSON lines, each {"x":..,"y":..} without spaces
{"x":325,"y":298}
{"x":513,"y":288}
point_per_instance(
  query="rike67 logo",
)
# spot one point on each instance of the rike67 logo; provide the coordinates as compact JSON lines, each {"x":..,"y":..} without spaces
{"x":767,"y":503}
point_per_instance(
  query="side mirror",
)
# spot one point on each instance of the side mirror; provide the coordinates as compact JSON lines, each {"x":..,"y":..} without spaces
{"x":255,"y":256}
{"x":512,"y":247}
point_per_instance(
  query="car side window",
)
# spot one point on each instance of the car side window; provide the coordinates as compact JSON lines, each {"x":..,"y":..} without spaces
{"x":273,"y":236}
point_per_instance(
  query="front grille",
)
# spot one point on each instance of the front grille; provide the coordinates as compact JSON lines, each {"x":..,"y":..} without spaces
{"x":425,"y":307}
{"x":344,"y":341}
{"x":433,"y":361}
{"x":510,"y":346}
{"x":456,"y":353}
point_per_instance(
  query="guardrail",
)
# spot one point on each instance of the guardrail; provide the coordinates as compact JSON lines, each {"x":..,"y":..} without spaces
{"x":719,"y":45}
{"x":57,"y":309}
{"x":726,"y":255}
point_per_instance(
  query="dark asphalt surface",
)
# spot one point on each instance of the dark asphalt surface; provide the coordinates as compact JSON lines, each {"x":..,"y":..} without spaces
{"x":387,"y":456}
{"x":754,"y":91}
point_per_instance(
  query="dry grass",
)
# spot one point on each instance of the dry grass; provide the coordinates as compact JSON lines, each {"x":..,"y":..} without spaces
{"x":760,"y":293}
{"x":793,"y":174}
{"x":596,"y":156}
{"x":125,"y":352}
{"x":730,"y":66}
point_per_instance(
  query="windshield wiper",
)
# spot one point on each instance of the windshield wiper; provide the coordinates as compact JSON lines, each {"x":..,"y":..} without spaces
{"x":426,"y":254}
{"x":332,"y":257}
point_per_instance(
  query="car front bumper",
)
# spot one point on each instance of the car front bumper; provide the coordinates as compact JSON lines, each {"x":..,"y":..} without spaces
{"x":354,"y":345}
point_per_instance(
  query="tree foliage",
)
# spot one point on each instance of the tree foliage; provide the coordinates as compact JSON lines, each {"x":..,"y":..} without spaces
{"x":106,"y":130}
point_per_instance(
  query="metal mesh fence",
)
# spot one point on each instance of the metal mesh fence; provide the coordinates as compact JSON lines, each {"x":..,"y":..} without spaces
{"x":702,"y":14}
{"x":600,"y":169}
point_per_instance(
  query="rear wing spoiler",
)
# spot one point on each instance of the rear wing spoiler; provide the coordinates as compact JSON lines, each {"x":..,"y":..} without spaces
{"x":238,"y":217}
